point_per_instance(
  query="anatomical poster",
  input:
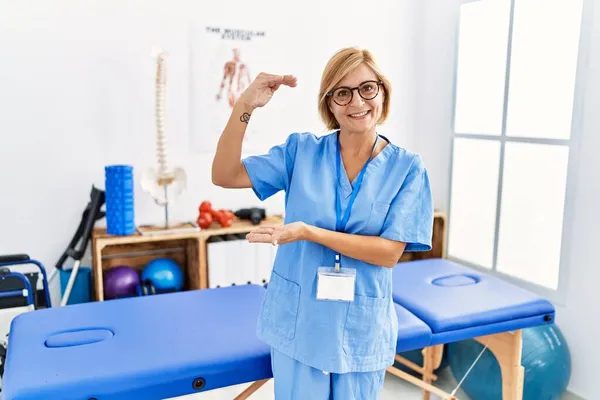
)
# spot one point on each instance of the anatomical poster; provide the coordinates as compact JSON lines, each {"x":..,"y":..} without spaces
{"x":224,"y":61}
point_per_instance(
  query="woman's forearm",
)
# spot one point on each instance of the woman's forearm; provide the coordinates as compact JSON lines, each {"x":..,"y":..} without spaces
{"x":371,"y":249}
{"x":227,"y":168}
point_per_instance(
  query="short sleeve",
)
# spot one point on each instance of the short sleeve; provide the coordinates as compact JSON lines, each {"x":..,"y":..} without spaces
{"x":410,"y":217}
{"x":271,"y":172}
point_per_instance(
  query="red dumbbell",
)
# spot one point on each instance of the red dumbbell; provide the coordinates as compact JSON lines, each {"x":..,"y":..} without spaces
{"x":208,"y":214}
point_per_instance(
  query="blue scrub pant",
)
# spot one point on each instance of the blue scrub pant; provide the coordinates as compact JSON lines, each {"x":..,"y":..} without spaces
{"x":296,"y":381}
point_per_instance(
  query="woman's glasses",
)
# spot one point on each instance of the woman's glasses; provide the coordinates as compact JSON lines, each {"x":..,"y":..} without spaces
{"x":343,"y":95}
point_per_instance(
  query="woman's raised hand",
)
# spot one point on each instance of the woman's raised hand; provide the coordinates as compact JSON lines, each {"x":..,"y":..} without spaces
{"x":263,"y":87}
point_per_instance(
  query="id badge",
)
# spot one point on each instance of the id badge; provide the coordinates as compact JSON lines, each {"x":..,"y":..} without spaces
{"x":333,"y":285}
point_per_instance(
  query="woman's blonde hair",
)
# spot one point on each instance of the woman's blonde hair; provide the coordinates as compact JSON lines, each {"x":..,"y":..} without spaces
{"x":340,"y":64}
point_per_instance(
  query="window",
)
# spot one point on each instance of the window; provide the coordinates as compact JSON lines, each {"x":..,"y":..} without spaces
{"x":513,"y":116}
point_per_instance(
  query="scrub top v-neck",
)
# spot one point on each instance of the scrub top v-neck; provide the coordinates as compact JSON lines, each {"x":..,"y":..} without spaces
{"x":344,"y":181}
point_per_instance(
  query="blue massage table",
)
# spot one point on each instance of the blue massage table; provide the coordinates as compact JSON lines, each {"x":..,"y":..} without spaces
{"x":439,"y":301}
{"x":169,"y":345}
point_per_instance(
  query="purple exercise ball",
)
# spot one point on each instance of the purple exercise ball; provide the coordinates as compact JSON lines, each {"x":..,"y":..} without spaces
{"x":120,"y":282}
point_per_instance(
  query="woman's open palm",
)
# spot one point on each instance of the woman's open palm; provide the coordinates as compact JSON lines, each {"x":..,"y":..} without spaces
{"x":263,"y":87}
{"x":277,"y":234}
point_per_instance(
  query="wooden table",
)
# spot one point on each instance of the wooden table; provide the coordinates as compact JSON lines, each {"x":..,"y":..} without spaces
{"x":188,"y":249}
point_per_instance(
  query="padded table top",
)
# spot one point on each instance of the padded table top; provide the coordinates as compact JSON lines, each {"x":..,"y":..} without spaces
{"x":150,"y":347}
{"x":412,"y":332}
{"x":448,"y":297}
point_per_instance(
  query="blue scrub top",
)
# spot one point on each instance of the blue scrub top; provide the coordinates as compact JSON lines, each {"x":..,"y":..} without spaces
{"x":394,"y":202}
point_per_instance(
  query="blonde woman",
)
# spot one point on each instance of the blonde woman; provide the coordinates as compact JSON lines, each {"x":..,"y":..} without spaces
{"x":354,"y":203}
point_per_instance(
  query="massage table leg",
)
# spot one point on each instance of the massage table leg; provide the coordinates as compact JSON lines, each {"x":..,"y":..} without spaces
{"x":432,"y":358}
{"x":507,"y":347}
{"x":251,"y":389}
{"x":420,"y":383}
{"x":417,"y":368}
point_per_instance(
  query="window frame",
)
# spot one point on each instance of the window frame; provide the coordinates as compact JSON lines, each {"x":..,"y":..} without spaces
{"x":557,"y":296}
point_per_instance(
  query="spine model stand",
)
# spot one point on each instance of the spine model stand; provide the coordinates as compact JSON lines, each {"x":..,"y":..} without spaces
{"x":163,"y":184}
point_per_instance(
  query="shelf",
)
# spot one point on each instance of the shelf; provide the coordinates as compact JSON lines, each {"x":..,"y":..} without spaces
{"x":188,"y":249}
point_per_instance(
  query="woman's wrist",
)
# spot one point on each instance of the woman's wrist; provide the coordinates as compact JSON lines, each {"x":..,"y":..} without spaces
{"x":307,"y":232}
{"x":242,"y":107}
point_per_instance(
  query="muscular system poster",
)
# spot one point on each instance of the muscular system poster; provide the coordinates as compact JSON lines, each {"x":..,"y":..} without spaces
{"x":224,"y":61}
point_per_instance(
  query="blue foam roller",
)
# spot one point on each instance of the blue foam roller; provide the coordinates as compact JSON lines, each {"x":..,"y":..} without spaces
{"x":119,"y":199}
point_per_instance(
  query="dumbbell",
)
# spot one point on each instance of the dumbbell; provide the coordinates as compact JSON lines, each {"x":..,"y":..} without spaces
{"x":208,"y":215}
{"x":145,"y":288}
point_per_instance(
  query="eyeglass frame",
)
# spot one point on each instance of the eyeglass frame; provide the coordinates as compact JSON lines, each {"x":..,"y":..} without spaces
{"x":352,"y":89}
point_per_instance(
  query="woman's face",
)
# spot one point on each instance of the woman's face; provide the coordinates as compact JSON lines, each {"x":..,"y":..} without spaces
{"x":353,"y":112}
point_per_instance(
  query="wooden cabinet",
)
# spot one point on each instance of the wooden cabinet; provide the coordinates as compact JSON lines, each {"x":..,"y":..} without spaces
{"x":188,"y":249}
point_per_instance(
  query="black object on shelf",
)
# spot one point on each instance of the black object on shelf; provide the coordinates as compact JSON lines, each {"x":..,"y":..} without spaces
{"x":255,"y":215}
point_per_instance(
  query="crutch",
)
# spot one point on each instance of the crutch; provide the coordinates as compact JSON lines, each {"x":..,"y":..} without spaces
{"x":82,"y":235}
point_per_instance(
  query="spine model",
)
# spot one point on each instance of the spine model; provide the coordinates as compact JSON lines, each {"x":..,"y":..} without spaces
{"x":164,"y":183}
{"x":161,"y":140}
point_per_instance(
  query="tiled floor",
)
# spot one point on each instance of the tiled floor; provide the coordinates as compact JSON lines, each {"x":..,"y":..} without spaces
{"x":393,"y":389}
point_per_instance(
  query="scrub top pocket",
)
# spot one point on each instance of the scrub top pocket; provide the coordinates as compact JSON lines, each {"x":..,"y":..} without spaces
{"x":280,"y":307}
{"x":368,"y":326}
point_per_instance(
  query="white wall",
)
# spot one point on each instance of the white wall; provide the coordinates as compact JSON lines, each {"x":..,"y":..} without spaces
{"x":435,"y":58}
{"x":77,"y":93}
{"x":437,"y":55}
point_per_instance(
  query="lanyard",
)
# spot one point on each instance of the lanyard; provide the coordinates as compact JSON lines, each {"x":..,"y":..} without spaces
{"x":342,"y":221}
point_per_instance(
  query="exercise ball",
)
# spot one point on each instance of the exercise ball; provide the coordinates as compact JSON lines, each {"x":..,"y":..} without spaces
{"x":165,"y":275}
{"x":545,"y":358}
{"x":120,"y":281}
